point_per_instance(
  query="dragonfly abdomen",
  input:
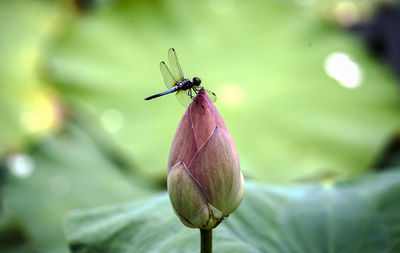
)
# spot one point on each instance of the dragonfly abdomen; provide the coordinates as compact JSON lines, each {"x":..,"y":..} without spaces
{"x":173,"y":89}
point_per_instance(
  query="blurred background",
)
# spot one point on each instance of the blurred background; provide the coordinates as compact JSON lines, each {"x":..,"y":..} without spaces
{"x":309,"y":90}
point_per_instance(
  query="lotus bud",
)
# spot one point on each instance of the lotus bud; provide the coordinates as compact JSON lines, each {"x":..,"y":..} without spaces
{"x":205,"y":184}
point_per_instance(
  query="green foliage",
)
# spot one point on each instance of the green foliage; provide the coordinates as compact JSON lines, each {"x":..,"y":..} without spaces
{"x":359,"y":215}
{"x":70,"y":172}
{"x":265,"y":61}
{"x":24,"y":27}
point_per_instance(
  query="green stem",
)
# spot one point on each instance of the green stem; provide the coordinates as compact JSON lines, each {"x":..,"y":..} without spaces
{"x":206,"y":240}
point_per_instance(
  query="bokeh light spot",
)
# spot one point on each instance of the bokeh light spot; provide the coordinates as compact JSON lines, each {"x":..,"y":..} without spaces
{"x":112,"y":120}
{"x":20,"y":165}
{"x":42,"y":115}
{"x":346,"y":13}
{"x":230,"y":95}
{"x":340,"y":67}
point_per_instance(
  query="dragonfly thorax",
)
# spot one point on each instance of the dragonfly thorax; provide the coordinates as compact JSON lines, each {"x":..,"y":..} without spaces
{"x":186,"y":84}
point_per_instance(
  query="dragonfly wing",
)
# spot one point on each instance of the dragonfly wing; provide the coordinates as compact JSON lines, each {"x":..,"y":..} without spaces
{"x":183,"y":97}
{"x":169,"y":79}
{"x":174,"y":64}
{"x":211,"y":95}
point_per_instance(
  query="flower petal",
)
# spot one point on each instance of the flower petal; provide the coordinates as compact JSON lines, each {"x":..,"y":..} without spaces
{"x":216,"y":168}
{"x":202,"y":116}
{"x":185,"y":194}
{"x":184,"y":146}
{"x":207,"y":218}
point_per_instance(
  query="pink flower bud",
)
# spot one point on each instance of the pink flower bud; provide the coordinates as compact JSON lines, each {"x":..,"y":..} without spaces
{"x":204,"y":179}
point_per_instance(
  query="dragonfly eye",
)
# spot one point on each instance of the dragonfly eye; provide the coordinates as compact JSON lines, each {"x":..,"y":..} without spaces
{"x":196,"y":81}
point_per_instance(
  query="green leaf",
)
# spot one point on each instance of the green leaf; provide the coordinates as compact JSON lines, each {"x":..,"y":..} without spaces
{"x":70,"y":171}
{"x":266,"y":62}
{"x":28,"y":108}
{"x":360,"y":215}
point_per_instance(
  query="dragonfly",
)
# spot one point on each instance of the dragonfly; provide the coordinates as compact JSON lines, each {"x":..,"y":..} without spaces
{"x":185,"y":89}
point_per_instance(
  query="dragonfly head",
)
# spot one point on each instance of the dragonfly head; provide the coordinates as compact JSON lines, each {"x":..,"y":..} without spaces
{"x":196,"y":81}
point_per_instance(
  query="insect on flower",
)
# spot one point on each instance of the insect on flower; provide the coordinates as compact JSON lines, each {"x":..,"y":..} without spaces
{"x":185,"y":88}
{"x":205,"y":183}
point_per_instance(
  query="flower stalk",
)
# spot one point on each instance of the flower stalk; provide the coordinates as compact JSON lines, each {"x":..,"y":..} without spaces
{"x":206,"y":240}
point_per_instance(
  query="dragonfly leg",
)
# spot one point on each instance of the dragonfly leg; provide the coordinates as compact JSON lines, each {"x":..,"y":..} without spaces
{"x":191,"y":95}
{"x":197,"y":91}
